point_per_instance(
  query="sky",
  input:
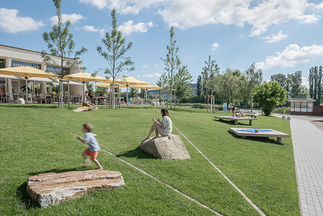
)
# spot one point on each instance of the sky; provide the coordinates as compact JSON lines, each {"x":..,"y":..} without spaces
{"x":278,"y":36}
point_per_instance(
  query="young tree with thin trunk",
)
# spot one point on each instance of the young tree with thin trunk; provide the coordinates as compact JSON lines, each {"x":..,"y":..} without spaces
{"x":172,"y":63}
{"x":60,"y":44}
{"x":254,"y":78}
{"x":115,"y":55}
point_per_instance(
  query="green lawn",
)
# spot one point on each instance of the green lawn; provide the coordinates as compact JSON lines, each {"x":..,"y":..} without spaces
{"x":32,"y":142}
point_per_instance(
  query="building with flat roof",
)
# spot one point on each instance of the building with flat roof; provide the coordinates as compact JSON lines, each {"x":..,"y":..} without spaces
{"x":15,"y":57}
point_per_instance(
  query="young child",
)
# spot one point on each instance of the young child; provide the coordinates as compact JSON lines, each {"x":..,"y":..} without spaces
{"x":93,"y":150}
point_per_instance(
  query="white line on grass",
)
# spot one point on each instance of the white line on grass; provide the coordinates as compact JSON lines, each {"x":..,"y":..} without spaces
{"x":244,"y":196}
{"x":133,"y":166}
{"x":160,"y":181}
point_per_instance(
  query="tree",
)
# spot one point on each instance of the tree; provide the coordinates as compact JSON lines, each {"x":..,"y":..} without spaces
{"x":133,"y":92}
{"x":311,"y":82}
{"x":295,"y":81}
{"x":199,"y":87}
{"x":211,"y":76}
{"x":115,"y":55}
{"x":60,"y":43}
{"x":182,"y":83}
{"x":254,"y":78}
{"x":172,"y":63}
{"x":233,"y":82}
{"x":268,"y":95}
{"x":280,"y":78}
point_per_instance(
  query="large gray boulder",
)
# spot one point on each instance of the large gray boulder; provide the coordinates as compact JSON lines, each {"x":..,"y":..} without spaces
{"x":52,"y":188}
{"x":169,"y":147}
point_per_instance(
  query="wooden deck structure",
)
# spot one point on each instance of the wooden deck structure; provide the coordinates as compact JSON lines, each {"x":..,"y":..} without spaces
{"x":246,"y":132}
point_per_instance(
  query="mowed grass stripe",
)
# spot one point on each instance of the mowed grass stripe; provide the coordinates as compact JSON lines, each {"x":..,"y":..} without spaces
{"x":193,"y":177}
{"x":32,"y":146}
{"x":140,"y":170}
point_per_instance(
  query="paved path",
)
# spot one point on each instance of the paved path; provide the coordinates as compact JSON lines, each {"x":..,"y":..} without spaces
{"x":308,"y":154}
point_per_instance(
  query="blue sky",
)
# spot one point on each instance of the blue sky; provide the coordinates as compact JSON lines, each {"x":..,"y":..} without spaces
{"x":278,"y":36}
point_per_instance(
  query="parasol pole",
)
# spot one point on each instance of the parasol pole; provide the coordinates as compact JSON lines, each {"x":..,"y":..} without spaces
{"x":26,"y":90}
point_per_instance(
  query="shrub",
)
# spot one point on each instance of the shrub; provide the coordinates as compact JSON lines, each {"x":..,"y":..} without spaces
{"x":268,"y":95}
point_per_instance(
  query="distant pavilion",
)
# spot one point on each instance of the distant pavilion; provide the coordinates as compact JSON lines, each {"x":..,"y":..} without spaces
{"x":301,"y":104}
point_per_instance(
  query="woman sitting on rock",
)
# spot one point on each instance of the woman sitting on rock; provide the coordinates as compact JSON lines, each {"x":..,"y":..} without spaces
{"x":164,"y":128}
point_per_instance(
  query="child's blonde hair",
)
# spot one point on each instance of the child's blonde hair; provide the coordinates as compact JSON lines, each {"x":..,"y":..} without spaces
{"x":88,"y":127}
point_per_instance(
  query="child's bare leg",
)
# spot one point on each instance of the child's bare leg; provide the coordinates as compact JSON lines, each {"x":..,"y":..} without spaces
{"x":86,"y":160}
{"x":97,"y":164}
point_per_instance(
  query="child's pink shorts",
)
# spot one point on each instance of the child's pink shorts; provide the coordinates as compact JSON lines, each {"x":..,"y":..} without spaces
{"x":93,"y":154}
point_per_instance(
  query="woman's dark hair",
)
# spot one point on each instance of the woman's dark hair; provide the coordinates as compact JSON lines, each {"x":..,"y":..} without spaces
{"x":164,"y":112}
{"x":233,"y":109}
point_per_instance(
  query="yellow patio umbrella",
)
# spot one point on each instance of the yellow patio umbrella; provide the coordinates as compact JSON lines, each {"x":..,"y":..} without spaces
{"x":130,"y":81}
{"x":26,"y":72}
{"x":84,"y":77}
{"x":107,"y":85}
{"x":146,"y":87}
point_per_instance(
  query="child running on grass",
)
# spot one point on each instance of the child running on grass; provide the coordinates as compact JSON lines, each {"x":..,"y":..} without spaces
{"x":89,"y":139}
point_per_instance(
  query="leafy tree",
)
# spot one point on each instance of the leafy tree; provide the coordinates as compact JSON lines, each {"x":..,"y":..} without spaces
{"x":115,"y":55}
{"x":254,"y":78}
{"x":268,"y":95}
{"x":311,"y":82}
{"x":182,"y":83}
{"x":60,"y":43}
{"x":319,"y":87}
{"x":172,"y":63}
{"x":233,"y":82}
{"x":295,"y":81}
{"x":199,"y":87}
{"x":280,"y":78}
{"x":133,"y":92}
{"x":211,"y":76}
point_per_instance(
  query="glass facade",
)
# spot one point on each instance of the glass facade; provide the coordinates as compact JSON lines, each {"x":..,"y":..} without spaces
{"x":20,"y":63}
{"x":2,"y":63}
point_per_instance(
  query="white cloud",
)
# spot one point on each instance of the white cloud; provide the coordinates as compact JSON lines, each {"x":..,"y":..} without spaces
{"x":275,"y":37}
{"x":214,"y":46}
{"x":156,"y":65}
{"x":291,"y":55}
{"x":259,"y":14}
{"x":73,"y":18}
{"x":146,"y":66}
{"x":10,"y":22}
{"x":90,"y":28}
{"x":128,"y":27}
{"x":97,"y":3}
{"x":150,"y":75}
{"x":123,"y":6}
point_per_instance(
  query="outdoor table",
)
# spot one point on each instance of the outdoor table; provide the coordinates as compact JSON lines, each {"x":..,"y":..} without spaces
{"x":104,"y":99}
{"x":236,"y":119}
{"x":247,"y":132}
{"x":73,"y":97}
{"x":7,"y":95}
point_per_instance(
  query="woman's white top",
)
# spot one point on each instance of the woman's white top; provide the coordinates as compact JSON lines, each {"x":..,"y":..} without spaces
{"x":167,"y":122}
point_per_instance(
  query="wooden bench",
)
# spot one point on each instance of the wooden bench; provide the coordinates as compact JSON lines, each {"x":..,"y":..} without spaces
{"x":247,"y":132}
{"x":252,"y":114}
{"x":236,"y":119}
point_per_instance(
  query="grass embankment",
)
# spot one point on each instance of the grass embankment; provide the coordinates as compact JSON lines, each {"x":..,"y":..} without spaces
{"x":262,"y":169}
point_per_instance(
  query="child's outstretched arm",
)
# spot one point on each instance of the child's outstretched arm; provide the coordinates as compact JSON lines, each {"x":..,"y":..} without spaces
{"x":82,"y":140}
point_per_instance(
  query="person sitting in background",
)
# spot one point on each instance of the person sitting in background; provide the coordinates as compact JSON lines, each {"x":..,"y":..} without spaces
{"x":2,"y":94}
{"x":100,"y":100}
{"x":237,"y":114}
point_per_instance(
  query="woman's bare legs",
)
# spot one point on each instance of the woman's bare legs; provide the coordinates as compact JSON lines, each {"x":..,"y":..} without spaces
{"x":151,"y":131}
{"x":158,"y":129}
{"x":155,"y":127}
